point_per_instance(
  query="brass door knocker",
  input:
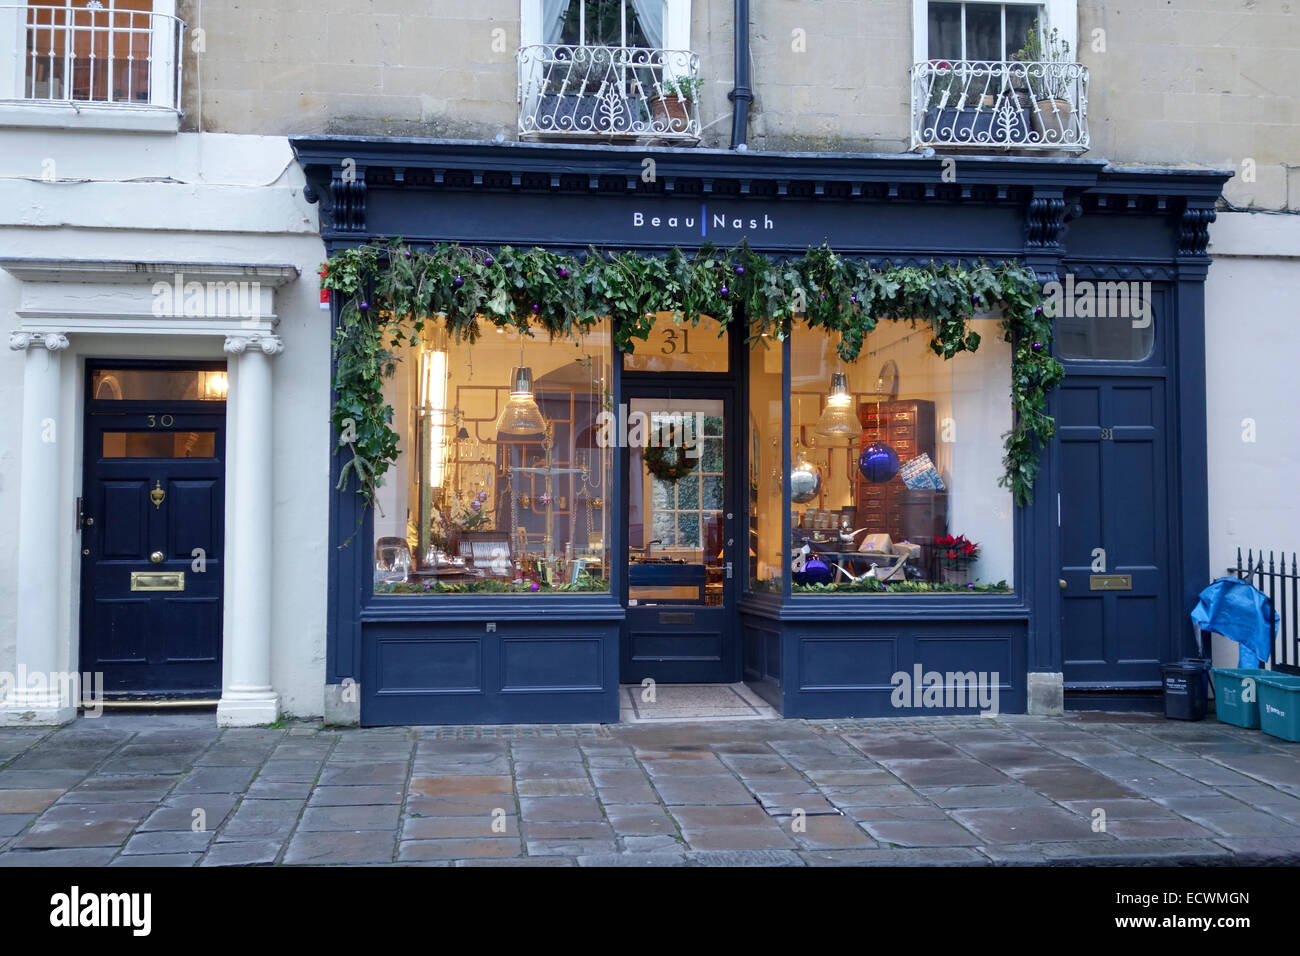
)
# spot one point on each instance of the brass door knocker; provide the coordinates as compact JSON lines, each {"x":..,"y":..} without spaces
{"x":157,"y":496}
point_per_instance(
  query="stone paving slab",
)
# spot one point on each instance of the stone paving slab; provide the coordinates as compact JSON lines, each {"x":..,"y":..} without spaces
{"x":123,"y":790}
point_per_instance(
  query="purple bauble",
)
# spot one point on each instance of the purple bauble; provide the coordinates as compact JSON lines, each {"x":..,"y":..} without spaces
{"x":1038,"y":310}
{"x":1037,"y":346}
{"x":458,"y":282}
{"x":878,"y":463}
{"x":853,"y":298}
{"x":365,"y":305}
{"x":723,"y":291}
{"x":407,"y":253}
{"x":740,"y":270}
{"x":476,"y":504}
{"x":488,"y":261}
{"x":816,"y":571}
{"x":564,"y":273}
{"x":534,"y":586}
{"x":536,"y":307}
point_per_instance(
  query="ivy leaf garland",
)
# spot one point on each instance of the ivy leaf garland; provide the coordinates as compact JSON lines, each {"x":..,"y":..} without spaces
{"x":389,"y":292}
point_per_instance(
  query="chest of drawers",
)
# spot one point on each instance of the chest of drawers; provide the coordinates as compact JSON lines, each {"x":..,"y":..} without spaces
{"x":920,"y":516}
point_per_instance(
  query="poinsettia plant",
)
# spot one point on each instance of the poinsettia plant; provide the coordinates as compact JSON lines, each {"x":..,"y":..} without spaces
{"x":957,"y":552}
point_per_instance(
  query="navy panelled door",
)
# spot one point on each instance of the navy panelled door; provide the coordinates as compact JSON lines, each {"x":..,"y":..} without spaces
{"x":680,"y":538}
{"x":152,"y":542}
{"x":1115,"y":547}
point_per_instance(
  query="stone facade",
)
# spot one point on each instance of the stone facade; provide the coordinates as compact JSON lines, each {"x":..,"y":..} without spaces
{"x":1201,"y":87}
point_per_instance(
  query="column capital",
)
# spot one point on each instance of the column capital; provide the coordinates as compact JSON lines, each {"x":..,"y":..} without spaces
{"x":23,"y":339}
{"x":269,"y":344}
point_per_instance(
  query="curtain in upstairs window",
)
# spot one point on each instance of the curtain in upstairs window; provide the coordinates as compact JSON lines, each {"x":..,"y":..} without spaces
{"x":650,"y":16}
{"x":553,"y":14}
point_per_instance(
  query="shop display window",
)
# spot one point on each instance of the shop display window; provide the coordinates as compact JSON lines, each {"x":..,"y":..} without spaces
{"x":503,"y":479}
{"x":895,"y":461}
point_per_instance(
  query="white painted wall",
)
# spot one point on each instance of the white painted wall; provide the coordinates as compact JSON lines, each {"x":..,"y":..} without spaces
{"x":1252,"y":333}
{"x":195,"y":198}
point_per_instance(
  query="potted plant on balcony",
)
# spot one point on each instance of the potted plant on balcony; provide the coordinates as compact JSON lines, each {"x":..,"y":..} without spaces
{"x":1049,"y":75}
{"x":959,"y":114}
{"x":672,"y":107}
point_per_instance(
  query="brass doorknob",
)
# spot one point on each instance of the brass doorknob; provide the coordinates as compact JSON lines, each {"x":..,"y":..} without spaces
{"x":157,"y":557}
{"x":1061,"y":582}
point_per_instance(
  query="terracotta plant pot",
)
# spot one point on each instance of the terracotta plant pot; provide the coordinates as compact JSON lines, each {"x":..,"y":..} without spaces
{"x":672,"y":114}
{"x":1053,"y":121}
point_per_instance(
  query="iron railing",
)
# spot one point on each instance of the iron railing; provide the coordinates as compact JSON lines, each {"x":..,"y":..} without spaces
{"x":92,"y":54}
{"x":1000,"y":104}
{"x":608,"y":92}
{"x":1286,"y":645}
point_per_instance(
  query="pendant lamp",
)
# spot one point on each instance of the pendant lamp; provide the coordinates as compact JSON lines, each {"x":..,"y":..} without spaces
{"x":837,"y":420}
{"x":521,"y":416}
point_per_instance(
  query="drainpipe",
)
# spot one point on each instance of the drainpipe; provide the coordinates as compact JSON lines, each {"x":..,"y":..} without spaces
{"x":741,"y":94}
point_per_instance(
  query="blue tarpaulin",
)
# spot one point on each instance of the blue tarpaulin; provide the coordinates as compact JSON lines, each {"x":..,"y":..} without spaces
{"x":1241,"y":612}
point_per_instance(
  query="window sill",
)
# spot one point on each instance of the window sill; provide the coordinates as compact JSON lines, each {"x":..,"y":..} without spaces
{"x":112,"y":117}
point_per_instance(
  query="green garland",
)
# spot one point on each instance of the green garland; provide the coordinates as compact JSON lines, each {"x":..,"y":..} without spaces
{"x":390,"y":292}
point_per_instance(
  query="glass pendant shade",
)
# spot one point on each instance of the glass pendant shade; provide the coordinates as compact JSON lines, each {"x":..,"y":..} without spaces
{"x":521,"y":416}
{"x":837,"y":419}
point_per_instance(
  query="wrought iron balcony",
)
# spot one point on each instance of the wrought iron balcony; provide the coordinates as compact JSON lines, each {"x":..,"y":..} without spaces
{"x":608,"y":92}
{"x":992,"y":104}
{"x":90,"y":54}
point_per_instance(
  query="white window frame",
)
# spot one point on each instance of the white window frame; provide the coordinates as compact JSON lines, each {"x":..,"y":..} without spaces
{"x":677,"y":24}
{"x":1062,"y":15}
{"x":17,"y":110}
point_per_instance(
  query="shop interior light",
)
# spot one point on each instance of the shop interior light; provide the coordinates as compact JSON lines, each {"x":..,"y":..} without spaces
{"x":837,"y":420}
{"x":433,"y":402}
{"x":521,"y":416}
{"x":215,"y":385}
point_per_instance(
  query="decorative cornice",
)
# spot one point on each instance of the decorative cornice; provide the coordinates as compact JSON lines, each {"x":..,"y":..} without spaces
{"x":347,"y":206}
{"x":1194,"y":231}
{"x":269,"y":344}
{"x":1045,"y":222}
{"x":54,"y":341}
{"x":121,"y":270}
{"x":1131,"y":271}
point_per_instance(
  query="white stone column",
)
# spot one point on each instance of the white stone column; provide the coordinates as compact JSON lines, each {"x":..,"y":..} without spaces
{"x":39,"y":694}
{"x":247,"y":699}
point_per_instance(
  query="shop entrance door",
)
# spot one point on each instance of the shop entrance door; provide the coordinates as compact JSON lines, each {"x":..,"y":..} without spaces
{"x":152,"y":530}
{"x":1115,"y":548}
{"x":679,"y":536}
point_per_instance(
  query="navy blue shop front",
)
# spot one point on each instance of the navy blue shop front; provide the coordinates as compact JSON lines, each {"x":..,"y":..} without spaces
{"x":511,"y":658}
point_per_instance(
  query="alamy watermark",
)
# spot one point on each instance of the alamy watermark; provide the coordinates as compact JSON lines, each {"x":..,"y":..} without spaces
{"x":950,"y":690}
{"x":650,"y":430}
{"x":84,"y":689}
{"x":1086,"y":299}
{"x":207,"y":299}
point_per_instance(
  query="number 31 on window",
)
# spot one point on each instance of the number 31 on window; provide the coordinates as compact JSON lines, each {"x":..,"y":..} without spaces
{"x":670,"y":342}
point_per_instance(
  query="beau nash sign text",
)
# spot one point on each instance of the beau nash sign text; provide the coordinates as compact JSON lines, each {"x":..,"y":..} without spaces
{"x":661,"y":222}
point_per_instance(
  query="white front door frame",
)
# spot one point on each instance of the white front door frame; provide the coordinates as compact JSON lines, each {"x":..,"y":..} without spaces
{"x":74,"y":309}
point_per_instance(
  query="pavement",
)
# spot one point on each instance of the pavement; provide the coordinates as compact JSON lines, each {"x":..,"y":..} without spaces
{"x":165,"y":789}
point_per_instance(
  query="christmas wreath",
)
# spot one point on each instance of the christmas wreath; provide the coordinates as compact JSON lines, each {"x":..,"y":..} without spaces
{"x":658,"y":464}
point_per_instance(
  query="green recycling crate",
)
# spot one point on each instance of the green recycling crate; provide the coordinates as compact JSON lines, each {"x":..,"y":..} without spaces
{"x":1279,"y":706}
{"x":1229,"y":689}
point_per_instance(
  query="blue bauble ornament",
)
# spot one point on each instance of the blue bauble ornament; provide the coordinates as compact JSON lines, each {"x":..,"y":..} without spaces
{"x":816,"y":571}
{"x":878,"y":463}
